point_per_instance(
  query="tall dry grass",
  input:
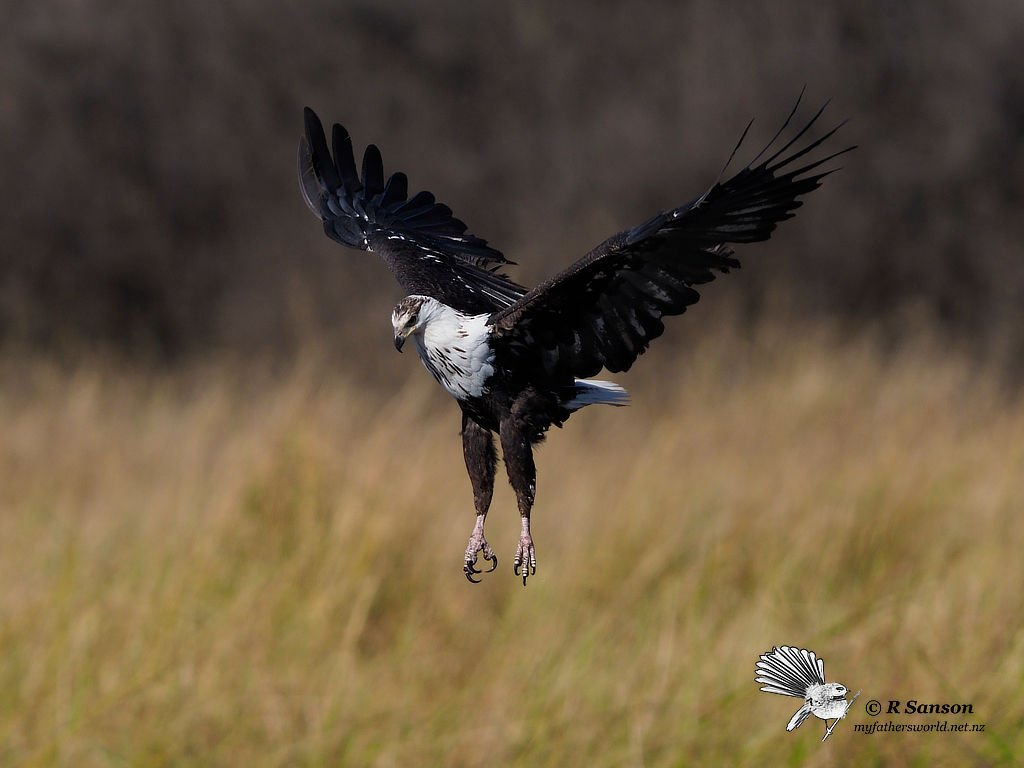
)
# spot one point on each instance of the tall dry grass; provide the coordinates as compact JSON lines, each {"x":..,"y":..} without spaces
{"x":216,"y":568}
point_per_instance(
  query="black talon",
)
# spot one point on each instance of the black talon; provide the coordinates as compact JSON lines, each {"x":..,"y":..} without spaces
{"x":495,"y":559}
{"x":469,"y":576}
{"x":469,"y":566}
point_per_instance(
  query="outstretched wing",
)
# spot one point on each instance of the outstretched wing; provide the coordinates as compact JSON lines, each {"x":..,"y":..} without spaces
{"x":425,"y":247}
{"x":790,"y":671}
{"x":604,"y":310}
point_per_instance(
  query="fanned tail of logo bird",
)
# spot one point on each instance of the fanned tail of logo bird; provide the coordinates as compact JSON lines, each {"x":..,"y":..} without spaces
{"x":790,"y":671}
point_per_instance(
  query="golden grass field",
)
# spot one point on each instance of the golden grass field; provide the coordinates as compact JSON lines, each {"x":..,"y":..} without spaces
{"x":221,"y":568}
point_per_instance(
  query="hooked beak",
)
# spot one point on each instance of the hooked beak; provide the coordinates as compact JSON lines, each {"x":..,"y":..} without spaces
{"x":399,"y":342}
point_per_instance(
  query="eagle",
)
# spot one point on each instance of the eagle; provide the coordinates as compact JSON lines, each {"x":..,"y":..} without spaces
{"x":520,"y":360}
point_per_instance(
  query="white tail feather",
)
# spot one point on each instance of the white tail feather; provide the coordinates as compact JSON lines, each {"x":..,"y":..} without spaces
{"x":790,"y":671}
{"x":801,"y":714}
{"x":593,"y":392}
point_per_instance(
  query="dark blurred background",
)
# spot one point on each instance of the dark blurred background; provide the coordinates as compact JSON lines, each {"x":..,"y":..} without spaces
{"x":149,"y":205}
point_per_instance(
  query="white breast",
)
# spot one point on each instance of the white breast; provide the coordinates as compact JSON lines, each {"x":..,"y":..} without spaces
{"x":455,"y":349}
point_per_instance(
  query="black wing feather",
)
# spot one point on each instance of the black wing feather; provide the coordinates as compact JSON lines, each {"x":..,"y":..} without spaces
{"x":424,"y":245}
{"x":604,"y":310}
{"x":396,"y":191}
{"x":373,"y":172}
{"x":417,"y":202}
{"x":343,"y":157}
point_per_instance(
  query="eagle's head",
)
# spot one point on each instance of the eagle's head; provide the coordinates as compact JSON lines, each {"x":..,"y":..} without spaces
{"x":406,"y":318}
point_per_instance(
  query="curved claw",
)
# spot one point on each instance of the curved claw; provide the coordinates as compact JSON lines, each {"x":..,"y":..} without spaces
{"x":469,"y":570}
{"x":477,"y":545}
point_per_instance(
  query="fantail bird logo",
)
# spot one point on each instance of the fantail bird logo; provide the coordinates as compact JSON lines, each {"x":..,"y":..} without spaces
{"x":801,"y":674}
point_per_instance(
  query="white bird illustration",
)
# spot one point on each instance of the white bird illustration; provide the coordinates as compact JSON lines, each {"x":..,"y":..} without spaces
{"x":799,"y":673}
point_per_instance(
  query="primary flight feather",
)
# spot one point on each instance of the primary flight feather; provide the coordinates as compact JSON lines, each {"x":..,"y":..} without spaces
{"x":517,"y":360}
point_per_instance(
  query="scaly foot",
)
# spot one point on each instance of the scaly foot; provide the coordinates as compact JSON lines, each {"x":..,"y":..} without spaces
{"x":477,"y":543}
{"x":526,"y":557}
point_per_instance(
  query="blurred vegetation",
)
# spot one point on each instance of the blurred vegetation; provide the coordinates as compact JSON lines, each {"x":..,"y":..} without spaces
{"x":212,"y":562}
{"x":148,"y":200}
{"x":205,"y":569}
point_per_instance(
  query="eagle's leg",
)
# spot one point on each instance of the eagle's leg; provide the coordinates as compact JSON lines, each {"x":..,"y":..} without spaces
{"x":481,"y":462}
{"x":517,"y":450}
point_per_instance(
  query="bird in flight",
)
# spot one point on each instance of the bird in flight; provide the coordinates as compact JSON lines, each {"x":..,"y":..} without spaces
{"x":520,"y":360}
{"x":799,"y":673}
